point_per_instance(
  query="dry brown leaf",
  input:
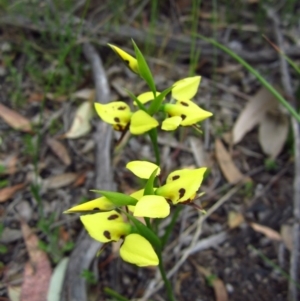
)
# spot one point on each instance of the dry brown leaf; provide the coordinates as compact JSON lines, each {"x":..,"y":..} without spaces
{"x":37,"y":272}
{"x":58,"y":98}
{"x":252,"y":114}
{"x":88,"y":94}
{"x":235,"y":219}
{"x":270,"y":233}
{"x":81,"y":123}
{"x":229,"y":68}
{"x":230,"y":171}
{"x":59,"y":150}
{"x":273,"y":132}
{"x":218,"y":285}
{"x":8,"y":192}
{"x":9,"y":164}
{"x":80,"y":180}
{"x":286,"y":232}
{"x":59,"y":181}
{"x":36,"y":97}
{"x":14,"y":119}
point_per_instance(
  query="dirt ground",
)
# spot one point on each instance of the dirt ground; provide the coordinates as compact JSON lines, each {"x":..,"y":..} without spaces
{"x":48,"y":163}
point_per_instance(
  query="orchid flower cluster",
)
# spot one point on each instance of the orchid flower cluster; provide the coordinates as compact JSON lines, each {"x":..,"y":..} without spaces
{"x":116,"y":216}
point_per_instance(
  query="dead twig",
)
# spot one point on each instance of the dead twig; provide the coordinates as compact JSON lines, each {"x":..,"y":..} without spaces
{"x":287,"y":85}
{"x":86,"y":248}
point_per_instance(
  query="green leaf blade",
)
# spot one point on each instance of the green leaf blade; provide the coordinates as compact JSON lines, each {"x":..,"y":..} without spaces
{"x":119,"y":199}
{"x":144,"y":68}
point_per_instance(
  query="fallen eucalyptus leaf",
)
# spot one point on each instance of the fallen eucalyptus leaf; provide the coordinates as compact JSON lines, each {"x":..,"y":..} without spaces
{"x":8,"y":192}
{"x":253,"y":113}
{"x":57,"y":280}
{"x":273,"y":132}
{"x":59,"y":150}
{"x":81,"y":122}
{"x":270,"y":233}
{"x":14,"y":119}
{"x":229,"y":169}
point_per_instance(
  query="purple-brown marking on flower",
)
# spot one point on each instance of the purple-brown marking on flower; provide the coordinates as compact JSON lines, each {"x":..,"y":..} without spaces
{"x":112,"y":217}
{"x":183,"y":116}
{"x":181,"y":192}
{"x":107,"y":234}
{"x":175,"y":177}
{"x":122,"y":108}
{"x":116,"y":119}
{"x":184,"y":103}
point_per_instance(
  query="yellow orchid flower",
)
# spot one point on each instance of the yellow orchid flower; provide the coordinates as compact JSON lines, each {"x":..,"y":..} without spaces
{"x":142,"y":169}
{"x":182,"y":185}
{"x":102,"y":204}
{"x":110,"y":226}
{"x":105,"y":226}
{"x":137,"y":195}
{"x":154,"y":206}
{"x":146,"y":97}
{"x":171,"y":123}
{"x":141,"y":122}
{"x":129,"y":60}
{"x":186,"y":88}
{"x":137,"y":250}
{"x":188,"y":111}
{"x":116,"y":113}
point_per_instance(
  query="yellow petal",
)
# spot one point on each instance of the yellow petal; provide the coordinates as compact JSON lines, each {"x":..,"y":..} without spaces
{"x":190,"y":112}
{"x":137,"y":195}
{"x":171,"y":123}
{"x":129,"y":60}
{"x":152,"y":206}
{"x":146,"y":97}
{"x":105,"y":226}
{"x":141,"y":122}
{"x":186,"y":88}
{"x":142,"y":169}
{"x":137,"y":250}
{"x":102,"y":204}
{"x":182,"y":185}
{"x":116,"y":113}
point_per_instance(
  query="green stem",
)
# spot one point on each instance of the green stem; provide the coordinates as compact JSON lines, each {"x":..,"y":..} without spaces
{"x":153,"y":137}
{"x":114,"y":294}
{"x":168,"y":285}
{"x":266,"y":84}
{"x":170,"y":227}
{"x":147,"y":221}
